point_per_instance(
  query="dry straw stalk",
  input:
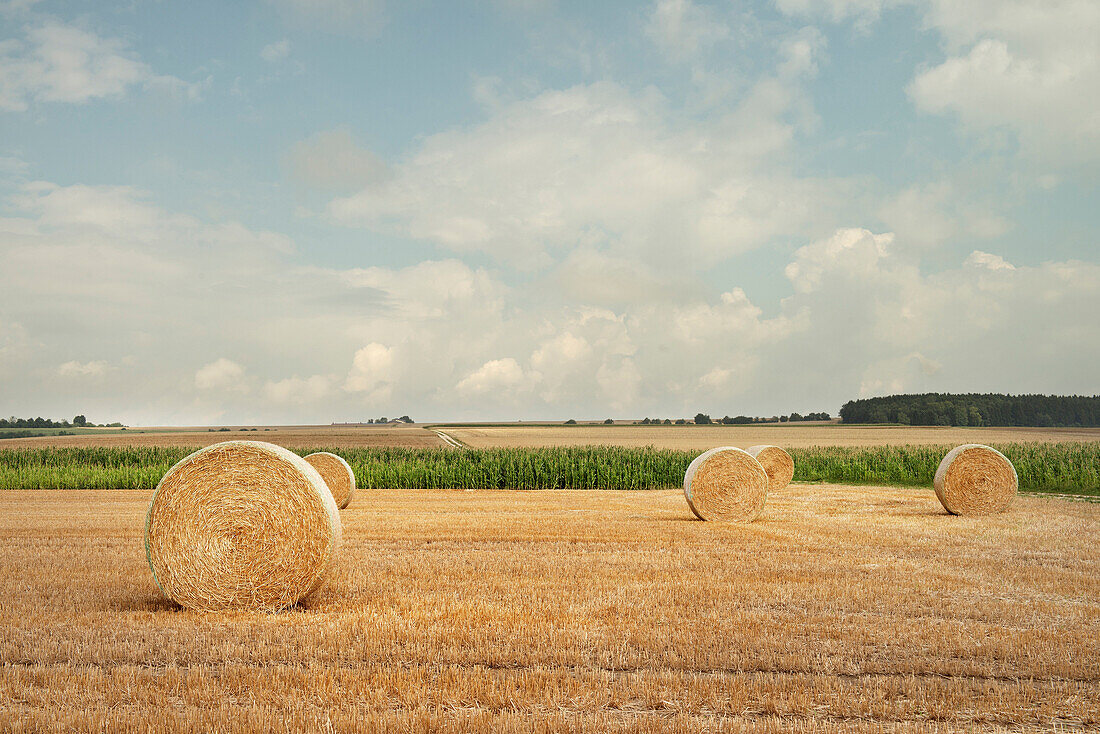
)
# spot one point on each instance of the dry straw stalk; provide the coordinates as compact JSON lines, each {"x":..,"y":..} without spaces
{"x":777,"y":463}
{"x":337,"y":475}
{"x":974,"y":479}
{"x":241,"y":525}
{"x":726,"y":483}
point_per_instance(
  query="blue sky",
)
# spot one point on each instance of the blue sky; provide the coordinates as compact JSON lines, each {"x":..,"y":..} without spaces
{"x":315,"y":210}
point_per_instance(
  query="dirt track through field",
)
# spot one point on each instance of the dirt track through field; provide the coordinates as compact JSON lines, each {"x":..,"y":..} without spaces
{"x":447,"y":439}
{"x":843,"y":609}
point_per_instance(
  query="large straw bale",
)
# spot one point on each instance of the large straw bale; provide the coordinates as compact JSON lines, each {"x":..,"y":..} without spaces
{"x":777,"y":463}
{"x":726,"y":483}
{"x":337,"y":475}
{"x":974,"y":479}
{"x":241,"y":525}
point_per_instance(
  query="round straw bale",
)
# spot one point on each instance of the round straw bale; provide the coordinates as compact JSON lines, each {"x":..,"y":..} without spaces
{"x":241,"y":525}
{"x":726,"y":483}
{"x":777,"y":463}
{"x":975,"y":480}
{"x":337,"y":475}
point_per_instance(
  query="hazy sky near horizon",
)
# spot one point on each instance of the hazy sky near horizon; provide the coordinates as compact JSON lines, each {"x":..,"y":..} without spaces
{"x":318,"y":210}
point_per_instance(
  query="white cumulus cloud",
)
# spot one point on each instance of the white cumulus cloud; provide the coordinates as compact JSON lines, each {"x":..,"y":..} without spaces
{"x":599,"y":166}
{"x":298,"y":390}
{"x":989,"y":261}
{"x":372,"y":368}
{"x":221,"y":374}
{"x":54,"y":62}
{"x":1029,"y":67}
{"x":276,"y":51}
{"x":82,"y":369}
{"x":497,"y":376}
{"x":681,"y":28}
{"x":855,"y":252}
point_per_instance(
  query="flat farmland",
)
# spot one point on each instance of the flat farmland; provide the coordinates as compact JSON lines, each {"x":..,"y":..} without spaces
{"x":792,"y":436}
{"x":694,"y":438}
{"x":305,"y":437}
{"x":842,"y":609}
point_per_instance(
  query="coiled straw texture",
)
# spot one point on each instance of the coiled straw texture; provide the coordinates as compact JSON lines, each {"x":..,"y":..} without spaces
{"x":726,"y":483}
{"x":337,"y":475}
{"x":777,"y":463}
{"x":974,"y":479}
{"x":241,"y":525}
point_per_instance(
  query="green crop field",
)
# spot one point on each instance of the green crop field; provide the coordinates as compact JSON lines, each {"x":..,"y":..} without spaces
{"x":1072,"y":468}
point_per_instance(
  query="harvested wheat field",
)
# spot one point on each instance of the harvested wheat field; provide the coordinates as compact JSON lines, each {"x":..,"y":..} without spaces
{"x":840,"y":609}
{"x":701,"y":438}
{"x":303,"y":437}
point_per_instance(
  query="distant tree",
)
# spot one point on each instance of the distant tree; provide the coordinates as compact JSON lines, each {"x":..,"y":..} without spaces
{"x":80,"y":420}
{"x":608,"y":422}
{"x":976,"y":409}
{"x":702,"y":419}
{"x":405,"y":419}
{"x":668,"y":422}
{"x":571,"y":422}
{"x":783,"y":419}
{"x":681,"y":422}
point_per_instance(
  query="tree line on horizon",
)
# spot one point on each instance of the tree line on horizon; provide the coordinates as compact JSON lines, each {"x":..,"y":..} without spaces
{"x":702,"y":419}
{"x":976,"y":409}
{"x":78,"y":422}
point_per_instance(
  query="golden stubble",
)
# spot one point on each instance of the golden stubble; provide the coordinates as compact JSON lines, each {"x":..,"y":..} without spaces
{"x":797,"y":435}
{"x":840,"y":609}
{"x":297,"y":437}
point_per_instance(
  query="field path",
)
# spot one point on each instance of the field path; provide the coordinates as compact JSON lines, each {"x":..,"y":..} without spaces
{"x":449,"y":440}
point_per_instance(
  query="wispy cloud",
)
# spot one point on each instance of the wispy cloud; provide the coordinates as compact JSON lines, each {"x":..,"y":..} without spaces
{"x":55,"y":62}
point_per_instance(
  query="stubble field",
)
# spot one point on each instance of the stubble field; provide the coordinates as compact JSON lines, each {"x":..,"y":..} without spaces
{"x":538,"y":436}
{"x":839,"y":610}
{"x":800,"y":435}
{"x":306,"y":437}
